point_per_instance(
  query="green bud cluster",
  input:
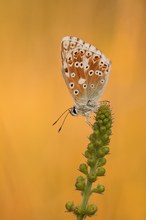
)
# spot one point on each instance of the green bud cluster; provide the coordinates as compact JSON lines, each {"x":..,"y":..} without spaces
{"x":98,"y":148}
{"x":80,"y":183}
{"x":83,"y":168}
{"x":69,"y":206}
{"x":95,"y":154}
{"x":99,"y":189}
{"x":91,"y":210}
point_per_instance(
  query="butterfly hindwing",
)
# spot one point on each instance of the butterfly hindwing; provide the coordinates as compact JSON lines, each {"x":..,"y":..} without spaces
{"x":85,"y":69}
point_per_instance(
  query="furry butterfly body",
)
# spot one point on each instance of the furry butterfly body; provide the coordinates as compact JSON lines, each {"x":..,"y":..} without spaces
{"x":85,"y":70}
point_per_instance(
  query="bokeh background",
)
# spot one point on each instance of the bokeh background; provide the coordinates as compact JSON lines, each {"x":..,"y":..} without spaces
{"x":38,"y":166}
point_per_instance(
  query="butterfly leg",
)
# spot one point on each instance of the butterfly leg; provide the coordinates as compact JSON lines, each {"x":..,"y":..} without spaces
{"x":104,"y":102}
{"x":87,"y":121}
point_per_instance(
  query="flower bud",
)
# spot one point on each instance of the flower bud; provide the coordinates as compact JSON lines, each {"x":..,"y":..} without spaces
{"x":92,"y":177}
{"x":102,"y":116}
{"x":98,"y":115}
{"x":99,"y":189}
{"x":98,"y":143}
{"x":92,"y":138}
{"x":105,"y":138}
{"x":106,"y":150}
{"x":83,"y":168}
{"x":88,"y":154}
{"x":108,"y":125}
{"x":91,"y":162}
{"x":80,"y":178}
{"x":91,"y":210}
{"x":90,"y":147}
{"x":78,"y":210}
{"x":105,"y":121}
{"x":96,"y":134}
{"x":80,"y":183}
{"x":95,"y":126}
{"x":100,"y":153}
{"x":109,"y":132}
{"x":69,"y":206}
{"x":100,"y":171}
{"x":99,"y":122}
{"x":101,"y":162}
{"x":107,"y":114}
{"x":102,"y":129}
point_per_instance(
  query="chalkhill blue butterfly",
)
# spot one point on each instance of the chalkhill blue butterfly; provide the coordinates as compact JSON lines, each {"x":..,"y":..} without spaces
{"x":85,"y":70}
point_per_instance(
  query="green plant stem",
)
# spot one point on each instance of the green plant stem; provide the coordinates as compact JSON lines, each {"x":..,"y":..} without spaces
{"x":87,"y":193}
{"x":95,"y":154}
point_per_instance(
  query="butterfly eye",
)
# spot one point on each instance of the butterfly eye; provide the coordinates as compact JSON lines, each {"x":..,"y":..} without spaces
{"x":71,"y":85}
{"x":76,"y":64}
{"x":102,"y":81}
{"x":98,"y":73}
{"x":73,"y":75}
{"x":84,"y":85}
{"x":88,"y":54}
{"x":81,"y":64}
{"x":74,"y":111}
{"x":91,"y":72}
{"x":76,"y":92}
{"x":92,"y":86}
{"x":82,"y":52}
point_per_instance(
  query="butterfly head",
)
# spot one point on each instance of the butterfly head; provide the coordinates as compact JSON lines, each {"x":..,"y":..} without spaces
{"x":73,"y":111}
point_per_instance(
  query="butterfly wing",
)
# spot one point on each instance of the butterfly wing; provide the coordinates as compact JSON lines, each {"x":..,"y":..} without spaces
{"x":85,"y":70}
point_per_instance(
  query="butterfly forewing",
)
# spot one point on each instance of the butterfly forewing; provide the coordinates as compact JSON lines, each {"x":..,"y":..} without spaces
{"x":85,"y":70}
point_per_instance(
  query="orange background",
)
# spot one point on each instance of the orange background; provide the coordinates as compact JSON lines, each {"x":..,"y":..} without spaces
{"x":38,"y":166}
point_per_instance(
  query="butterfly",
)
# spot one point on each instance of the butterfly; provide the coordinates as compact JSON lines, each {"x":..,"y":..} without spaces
{"x":85,"y":70}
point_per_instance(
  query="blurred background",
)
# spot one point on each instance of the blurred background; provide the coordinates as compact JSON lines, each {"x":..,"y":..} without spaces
{"x":38,"y":166}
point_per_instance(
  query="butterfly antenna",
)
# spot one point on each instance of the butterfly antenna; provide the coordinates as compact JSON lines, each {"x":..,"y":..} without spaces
{"x":63,"y":121}
{"x":60,"y":116}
